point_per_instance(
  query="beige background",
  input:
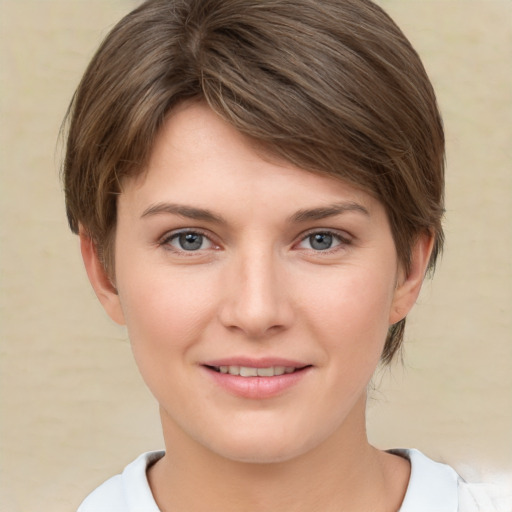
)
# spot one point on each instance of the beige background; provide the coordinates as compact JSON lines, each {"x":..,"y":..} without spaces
{"x":73,"y":408}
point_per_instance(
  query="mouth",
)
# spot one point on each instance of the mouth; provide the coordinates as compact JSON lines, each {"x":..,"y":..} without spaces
{"x":250,"y":371}
{"x":257,"y":379}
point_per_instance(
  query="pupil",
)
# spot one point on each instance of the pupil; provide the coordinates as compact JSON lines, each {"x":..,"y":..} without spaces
{"x":321,"y":241}
{"x":191,"y":241}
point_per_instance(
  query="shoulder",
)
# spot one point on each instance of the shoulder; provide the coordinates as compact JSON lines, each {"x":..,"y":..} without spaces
{"x":434,"y":486}
{"x":484,"y":497}
{"x":126,"y":492}
{"x":108,"y":496}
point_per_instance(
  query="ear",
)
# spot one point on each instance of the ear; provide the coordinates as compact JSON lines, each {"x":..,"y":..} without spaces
{"x":102,"y":284}
{"x":409,"y":285}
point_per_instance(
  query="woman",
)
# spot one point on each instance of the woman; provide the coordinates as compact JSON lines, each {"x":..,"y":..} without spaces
{"x":258,"y":191}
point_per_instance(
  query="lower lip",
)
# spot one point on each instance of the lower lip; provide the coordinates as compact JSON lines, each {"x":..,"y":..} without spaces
{"x":257,"y":388}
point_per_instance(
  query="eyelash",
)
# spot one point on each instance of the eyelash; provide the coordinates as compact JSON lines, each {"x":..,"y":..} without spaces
{"x":343,"y":240}
{"x":165,"y":241}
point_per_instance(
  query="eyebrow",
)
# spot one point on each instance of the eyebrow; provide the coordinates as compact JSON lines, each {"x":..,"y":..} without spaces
{"x":189,"y":212}
{"x":328,"y":211}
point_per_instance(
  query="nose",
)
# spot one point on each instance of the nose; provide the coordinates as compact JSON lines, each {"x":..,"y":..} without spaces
{"x":257,"y":301}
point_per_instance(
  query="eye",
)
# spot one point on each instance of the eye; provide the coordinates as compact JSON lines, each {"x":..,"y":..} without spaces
{"x":189,"y":241}
{"x":322,"y":241}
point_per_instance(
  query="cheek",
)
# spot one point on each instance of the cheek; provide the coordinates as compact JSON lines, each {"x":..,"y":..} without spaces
{"x":165,"y":319}
{"x":165,"y":313}
{"x":350,"y":317}
{"x":354,"y":300}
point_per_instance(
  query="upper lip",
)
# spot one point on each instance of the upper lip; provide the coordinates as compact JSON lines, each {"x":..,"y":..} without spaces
{"x":250,"y":362}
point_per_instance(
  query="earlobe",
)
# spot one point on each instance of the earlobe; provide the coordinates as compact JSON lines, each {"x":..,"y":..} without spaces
{"x":409,"y":285}
{"x":100,"y":280}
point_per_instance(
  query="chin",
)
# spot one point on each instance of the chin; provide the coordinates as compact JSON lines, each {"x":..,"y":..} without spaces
{"x":256,"y":454}
{"x":262,"y":447}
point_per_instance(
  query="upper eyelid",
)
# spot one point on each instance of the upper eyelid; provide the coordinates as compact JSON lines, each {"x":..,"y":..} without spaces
{"x":169,"y":235}
{"x":344,"y":241}
{"x":343,"y":235}
{"x":340,"y":233}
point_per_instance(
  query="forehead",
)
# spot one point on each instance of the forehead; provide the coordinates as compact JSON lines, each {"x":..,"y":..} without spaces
{"x":199,"y":159}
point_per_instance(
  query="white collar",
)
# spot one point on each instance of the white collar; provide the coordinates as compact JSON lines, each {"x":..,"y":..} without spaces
{"x":433,"y":487}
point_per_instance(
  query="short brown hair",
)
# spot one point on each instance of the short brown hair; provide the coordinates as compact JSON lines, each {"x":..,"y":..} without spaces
{"x":332,"y":86}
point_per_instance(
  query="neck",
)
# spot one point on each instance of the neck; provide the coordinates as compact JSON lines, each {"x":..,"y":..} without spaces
{"x":344,"y":473}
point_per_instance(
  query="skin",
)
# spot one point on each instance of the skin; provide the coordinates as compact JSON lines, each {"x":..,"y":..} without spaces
{"x":257,"y":286}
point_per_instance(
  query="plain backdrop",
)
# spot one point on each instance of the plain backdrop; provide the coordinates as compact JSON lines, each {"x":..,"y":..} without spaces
{"x":73,"y":409}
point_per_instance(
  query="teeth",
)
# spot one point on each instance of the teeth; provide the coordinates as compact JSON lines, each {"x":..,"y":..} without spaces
{"x":265,"y":372}
{"x":248,"y":371}
{"x":234,"y":370}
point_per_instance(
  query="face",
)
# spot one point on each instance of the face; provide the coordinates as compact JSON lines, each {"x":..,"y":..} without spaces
{"x":257,"y":295}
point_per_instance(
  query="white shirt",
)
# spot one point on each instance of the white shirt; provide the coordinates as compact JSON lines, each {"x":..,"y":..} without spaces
{"x":433,"y":487}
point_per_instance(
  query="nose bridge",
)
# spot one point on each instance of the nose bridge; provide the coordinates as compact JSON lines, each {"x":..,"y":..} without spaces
{"x":256,"y":297}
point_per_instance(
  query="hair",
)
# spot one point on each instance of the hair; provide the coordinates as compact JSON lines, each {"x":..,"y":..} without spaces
{"x":331,"y":86}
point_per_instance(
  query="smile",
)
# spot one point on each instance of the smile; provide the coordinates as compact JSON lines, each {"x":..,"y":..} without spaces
{"x":257,"y":380}
{"x":248,"y":371}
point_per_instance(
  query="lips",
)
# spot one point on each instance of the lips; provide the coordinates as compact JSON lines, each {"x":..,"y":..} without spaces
{"x":250,"y":371}
{"x":256,"y":379}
